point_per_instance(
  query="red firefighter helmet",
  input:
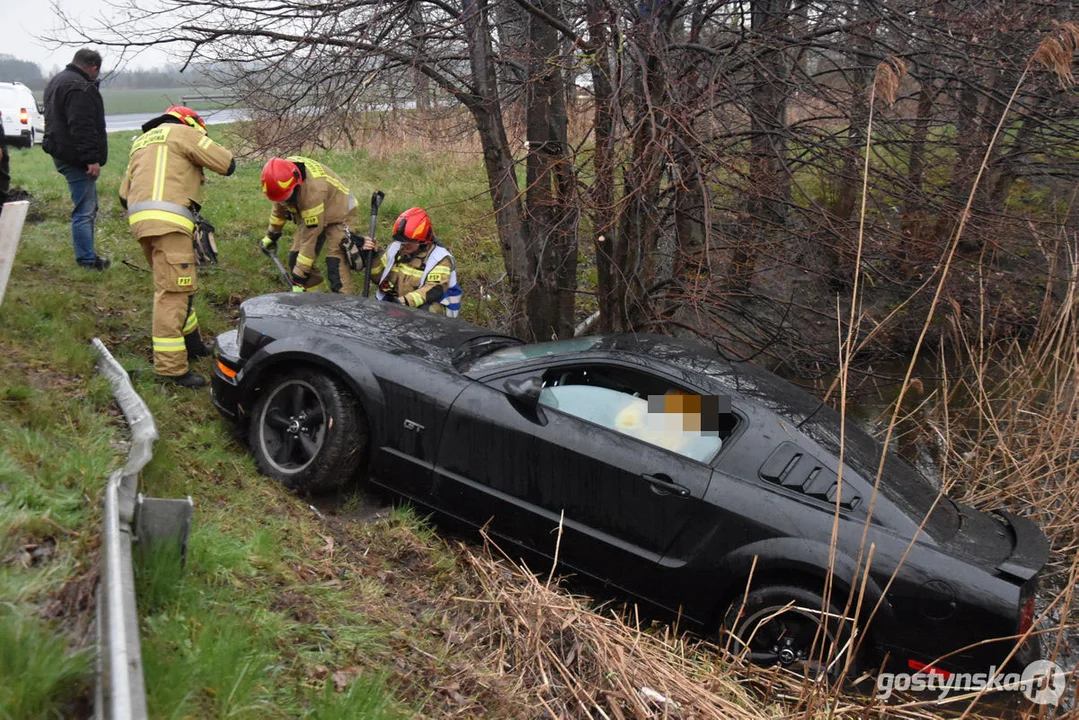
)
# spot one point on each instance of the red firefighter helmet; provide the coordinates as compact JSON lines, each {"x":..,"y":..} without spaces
{"x":413,"y":225}
{"x":188,"y":117}
{"x":279,"y":178}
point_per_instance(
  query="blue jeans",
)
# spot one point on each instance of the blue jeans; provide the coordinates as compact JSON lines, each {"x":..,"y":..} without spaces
{"x":84,"y":195}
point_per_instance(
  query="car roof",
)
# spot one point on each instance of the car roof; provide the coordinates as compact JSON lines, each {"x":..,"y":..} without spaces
{"x":708,"y":368}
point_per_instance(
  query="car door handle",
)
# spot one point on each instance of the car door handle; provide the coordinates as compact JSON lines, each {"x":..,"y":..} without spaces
{"x":663,"y":485}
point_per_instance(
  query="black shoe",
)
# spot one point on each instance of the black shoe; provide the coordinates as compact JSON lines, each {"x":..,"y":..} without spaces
{"x":188,"y":379}
{"x":100,"y":263}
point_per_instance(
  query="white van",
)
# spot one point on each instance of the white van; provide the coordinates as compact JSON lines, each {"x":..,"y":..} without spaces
{"x":23,"y":120}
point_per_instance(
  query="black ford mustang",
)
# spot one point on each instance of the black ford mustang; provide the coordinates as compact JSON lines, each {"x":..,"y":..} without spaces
{"x":725,"y":517}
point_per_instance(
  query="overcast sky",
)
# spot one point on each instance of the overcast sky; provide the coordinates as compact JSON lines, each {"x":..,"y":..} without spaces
{"x":23,"y":20}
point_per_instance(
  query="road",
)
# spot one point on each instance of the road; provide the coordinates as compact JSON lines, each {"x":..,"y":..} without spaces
{"x":134,"y":121}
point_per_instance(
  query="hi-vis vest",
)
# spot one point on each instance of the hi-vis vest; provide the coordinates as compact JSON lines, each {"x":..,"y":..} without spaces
{"x":452,"y":298}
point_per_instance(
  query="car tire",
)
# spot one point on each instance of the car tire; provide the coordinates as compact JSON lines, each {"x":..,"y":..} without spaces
{"x":307,"y":431}
{"x":778,"y":623}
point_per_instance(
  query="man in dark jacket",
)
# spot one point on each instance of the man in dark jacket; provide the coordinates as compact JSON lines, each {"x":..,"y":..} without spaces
{"x":75,"y":137}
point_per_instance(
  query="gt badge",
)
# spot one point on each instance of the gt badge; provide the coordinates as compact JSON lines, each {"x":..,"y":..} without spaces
{"x":413,"y":425}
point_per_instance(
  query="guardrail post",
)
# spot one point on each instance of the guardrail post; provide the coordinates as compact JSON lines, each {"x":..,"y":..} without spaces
{"x":162,"y":522}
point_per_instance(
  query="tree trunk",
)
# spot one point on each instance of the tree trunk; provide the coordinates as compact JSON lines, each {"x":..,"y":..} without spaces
{"x":634,"y":252}
{"x":484,"y":105}
{"x":604,"y":232}
{"x":549,"y":231}
{"x":914,"y":223}
{"x":768,"y":193}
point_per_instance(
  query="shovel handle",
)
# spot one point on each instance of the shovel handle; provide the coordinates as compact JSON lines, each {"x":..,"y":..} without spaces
{"x":376,"y":199}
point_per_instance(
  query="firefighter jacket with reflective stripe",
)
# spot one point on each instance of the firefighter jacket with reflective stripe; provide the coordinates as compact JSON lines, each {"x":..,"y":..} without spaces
{"x":321,"y":201}
{"x":164,"y":178}
{"x":421,"y":279}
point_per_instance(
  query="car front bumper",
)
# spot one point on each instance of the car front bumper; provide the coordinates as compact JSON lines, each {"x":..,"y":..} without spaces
{"x":224,"y":388}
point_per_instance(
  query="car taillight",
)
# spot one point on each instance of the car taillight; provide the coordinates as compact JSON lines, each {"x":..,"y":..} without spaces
{"x":1026,"y":615}
{"x":24,"y":117}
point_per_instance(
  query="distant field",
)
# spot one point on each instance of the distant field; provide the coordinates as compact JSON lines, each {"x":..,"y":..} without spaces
{"x":123,"y":102}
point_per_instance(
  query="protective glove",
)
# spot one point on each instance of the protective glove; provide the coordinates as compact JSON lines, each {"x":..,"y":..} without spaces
{"x":299,"y":283}
{"x":401,"y":300}
{"x":268,"y":243}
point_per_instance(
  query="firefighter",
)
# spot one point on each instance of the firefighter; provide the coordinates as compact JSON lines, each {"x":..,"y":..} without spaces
{"x":416,"y":270}
{"x":315,"y":198}
{"x":161,"y":192}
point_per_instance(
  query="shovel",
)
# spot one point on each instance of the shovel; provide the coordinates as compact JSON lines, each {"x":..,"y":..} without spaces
{"x":376,"y":200}
{"x":280,"y":268}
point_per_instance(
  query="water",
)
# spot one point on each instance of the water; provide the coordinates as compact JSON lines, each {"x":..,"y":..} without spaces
{"x":134,"y":121}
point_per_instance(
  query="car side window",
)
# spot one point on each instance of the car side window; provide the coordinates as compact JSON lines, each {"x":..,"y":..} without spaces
{"x":583,"y":395}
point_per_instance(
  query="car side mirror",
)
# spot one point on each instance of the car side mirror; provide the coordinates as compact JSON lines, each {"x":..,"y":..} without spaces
{"x":526,"y":391}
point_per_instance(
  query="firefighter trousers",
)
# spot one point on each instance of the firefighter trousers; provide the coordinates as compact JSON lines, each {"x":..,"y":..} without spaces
{"x":338,"y":275}
{"x":175,"y":325}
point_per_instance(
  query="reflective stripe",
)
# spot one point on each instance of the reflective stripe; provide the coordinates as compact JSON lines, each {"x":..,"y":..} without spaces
{"x":438,"y":274}
{"x":205,"y":142}
{"x":164,"y":344}
{"x":414,"y":298}
{"x":164,"y":216}
{"x":191,"y":324}
{"x":452,"y":300}
{"x":302,"y":259}
{"x":409,"y":270}
{"x":340,"y":187}
{"x":313,"y":166}
{"x":165,"y":205}
{"x":313,"y":212}
{"x":316,"y":170}
{"x":159,"y":173}
{"x":277,"y":221}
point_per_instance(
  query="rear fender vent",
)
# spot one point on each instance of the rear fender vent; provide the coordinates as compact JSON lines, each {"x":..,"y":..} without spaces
{"x":791,"y":467}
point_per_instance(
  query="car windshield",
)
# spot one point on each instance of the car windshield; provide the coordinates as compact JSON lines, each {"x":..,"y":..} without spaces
{"x":518,"y":353}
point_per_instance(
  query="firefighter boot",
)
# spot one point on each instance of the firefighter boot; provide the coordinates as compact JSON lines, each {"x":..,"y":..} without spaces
{"x":196,"y":348}
{"x":193,"y":343}
{"x":188,"y":380}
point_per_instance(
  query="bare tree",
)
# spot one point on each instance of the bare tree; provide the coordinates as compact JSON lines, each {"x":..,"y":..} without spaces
{"x":716,"y":172}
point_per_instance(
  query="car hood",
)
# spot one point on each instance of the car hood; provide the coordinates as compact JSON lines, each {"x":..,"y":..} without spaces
{"x":393,"y":329}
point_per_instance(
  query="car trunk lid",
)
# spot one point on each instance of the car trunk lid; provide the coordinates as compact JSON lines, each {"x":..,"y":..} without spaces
{"x":1010,"y":545}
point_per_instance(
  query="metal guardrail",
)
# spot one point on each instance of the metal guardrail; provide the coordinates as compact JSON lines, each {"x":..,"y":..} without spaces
{"x":11,"y":221}
{"x":129,"y":518}
{"x":121,"y":692}
{"x":224,"y":99}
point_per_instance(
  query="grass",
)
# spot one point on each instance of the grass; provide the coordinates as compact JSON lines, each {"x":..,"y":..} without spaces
{"x":127,"y":101}
{"x":285,"y":612}
{"x":231,"y":636}
{"x":148,"y":100}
